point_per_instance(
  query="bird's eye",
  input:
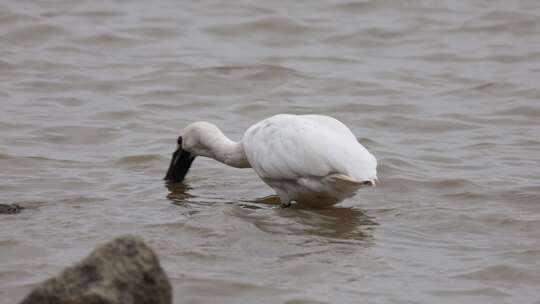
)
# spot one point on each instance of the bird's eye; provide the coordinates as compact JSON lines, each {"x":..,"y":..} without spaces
{"x":179,"y":140}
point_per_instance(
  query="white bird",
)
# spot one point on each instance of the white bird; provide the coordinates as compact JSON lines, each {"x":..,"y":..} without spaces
{"x":313,"y":160}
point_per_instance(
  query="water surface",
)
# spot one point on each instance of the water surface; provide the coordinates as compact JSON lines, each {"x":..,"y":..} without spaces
{"x":444,"y":93}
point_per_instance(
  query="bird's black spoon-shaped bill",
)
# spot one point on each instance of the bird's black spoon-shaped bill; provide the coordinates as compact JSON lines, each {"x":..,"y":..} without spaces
{"x":180,"y":163}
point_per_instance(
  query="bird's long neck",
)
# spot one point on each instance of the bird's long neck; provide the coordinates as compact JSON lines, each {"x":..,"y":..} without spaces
{"x":227,"y":151}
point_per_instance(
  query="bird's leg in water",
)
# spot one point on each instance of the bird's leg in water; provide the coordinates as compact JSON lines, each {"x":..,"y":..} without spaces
{"x":285,"y":204}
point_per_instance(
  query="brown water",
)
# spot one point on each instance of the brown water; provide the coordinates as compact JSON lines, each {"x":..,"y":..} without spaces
{"x":446,"y":94}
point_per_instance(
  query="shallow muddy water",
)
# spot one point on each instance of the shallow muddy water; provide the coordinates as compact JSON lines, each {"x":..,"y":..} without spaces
{"x":444,"y":93}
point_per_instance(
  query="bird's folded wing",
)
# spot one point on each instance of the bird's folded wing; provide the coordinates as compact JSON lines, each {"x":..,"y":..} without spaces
{"x":289,"y":149}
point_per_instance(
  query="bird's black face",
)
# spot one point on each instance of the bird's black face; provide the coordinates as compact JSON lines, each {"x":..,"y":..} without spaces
{"x":180,"y":164}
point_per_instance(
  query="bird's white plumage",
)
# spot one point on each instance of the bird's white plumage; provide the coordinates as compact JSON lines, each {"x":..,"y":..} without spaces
{"x":296,"y":155}
{"x":312,"y":159}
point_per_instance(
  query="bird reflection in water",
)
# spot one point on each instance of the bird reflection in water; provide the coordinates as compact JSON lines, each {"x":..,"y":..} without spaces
{"x":178,"y":193}
{"x":331,"y":223}
{"x":336,"y":222}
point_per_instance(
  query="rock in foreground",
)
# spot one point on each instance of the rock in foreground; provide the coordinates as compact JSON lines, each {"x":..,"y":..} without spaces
{"x":123,"y":271}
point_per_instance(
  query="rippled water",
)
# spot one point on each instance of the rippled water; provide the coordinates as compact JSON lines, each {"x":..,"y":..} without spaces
{"x":445,"y":93}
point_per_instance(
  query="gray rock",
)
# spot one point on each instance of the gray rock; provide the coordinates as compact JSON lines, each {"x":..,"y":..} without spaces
{"x":10,"y":209}
{"x":123,"y":271}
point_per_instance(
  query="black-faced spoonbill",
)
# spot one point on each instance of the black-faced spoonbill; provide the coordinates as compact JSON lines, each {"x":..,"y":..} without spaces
{"x":313,"y":160}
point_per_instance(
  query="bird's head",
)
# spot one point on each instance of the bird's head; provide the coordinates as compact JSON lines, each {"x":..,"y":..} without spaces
{"x":193,"y":141}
